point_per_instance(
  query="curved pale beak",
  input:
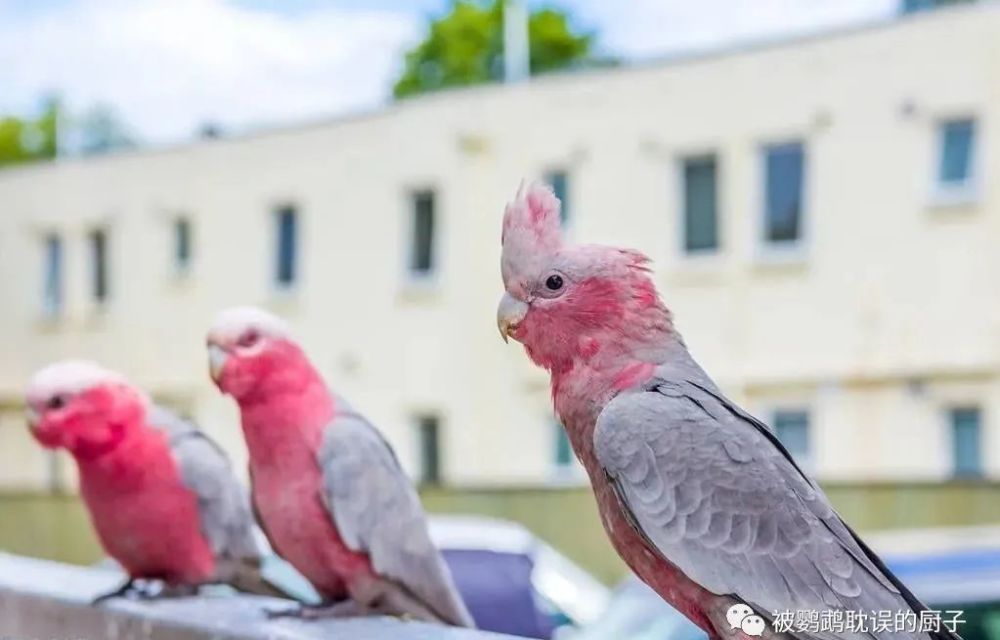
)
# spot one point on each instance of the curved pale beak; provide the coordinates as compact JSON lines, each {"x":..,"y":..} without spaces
{"x":217,"y":357}
{"x":33,"y":417}
{"x":509,"y":313}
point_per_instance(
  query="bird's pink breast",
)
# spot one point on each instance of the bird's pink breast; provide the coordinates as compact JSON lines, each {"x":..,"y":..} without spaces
{"x":145,"y":517}
{"x":288,"y":493}
{"x":667,"y":580}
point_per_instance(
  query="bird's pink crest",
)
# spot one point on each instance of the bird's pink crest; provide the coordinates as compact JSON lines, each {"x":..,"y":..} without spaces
{"x":531,"y":228}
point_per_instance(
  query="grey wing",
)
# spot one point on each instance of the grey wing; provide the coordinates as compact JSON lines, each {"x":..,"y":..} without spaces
{"x":223,"y":504}
{"x":377,"y":511}
{"x":716,"y":495}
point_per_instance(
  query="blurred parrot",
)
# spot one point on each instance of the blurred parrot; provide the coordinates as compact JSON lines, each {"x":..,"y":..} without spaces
{"x":161,"y":494}
{"x":699,"y":498}
{"x":330,"y":494}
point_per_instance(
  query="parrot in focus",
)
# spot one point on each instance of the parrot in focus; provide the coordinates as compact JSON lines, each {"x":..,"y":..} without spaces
{"x":161,"y":495}
{"x":698,"y":497}
{"x":329,"y":492}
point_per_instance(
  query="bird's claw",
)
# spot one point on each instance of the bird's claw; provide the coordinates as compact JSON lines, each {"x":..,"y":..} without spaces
{"x":344,"y":609}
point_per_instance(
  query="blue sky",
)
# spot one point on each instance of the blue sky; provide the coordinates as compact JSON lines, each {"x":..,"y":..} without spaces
{"x":168,"y":66}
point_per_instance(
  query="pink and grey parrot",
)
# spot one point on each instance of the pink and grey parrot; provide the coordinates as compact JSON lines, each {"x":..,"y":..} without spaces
{"x":699,"y":498}
{"x":330,"y":494}
{"x":162,"y":495}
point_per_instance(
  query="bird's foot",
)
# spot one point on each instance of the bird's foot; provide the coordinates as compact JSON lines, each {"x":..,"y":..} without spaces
{"x":129,"y":589}
{"x":134,"y":589}
{"x":343,"y":609}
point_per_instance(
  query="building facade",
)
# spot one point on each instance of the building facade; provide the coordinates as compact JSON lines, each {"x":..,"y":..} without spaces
{"x":823,"y":216}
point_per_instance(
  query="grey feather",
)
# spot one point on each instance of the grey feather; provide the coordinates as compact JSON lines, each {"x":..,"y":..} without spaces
{"x":377,"y":511}
{"x":734,"y":512}
{"x":223,"y":504}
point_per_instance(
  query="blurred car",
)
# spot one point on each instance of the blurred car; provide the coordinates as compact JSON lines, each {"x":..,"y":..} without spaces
{"x":949,"y":569}
{"x":511,"y":581}
{"x":952,"y":569}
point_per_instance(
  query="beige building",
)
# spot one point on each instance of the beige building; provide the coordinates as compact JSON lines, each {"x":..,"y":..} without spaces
{"x":820,"y":212}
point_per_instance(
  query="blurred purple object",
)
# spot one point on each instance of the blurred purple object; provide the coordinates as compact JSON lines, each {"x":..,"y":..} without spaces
{"x":499,"y":592}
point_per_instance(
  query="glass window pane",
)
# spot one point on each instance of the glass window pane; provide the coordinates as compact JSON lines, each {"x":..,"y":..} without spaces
{"x":430,"y":449}
{"x":785,"y":168}
{"x":52,"y":293}
{"x":287,"y":237}
{"x":966,"y":436}
{"x":99,"y":265}
{"x":422,"y":251}
{"x":182,"y":243}
{"x":559,"y":181}
{"x":792,"y":429}
{"x":563,"y":450}
{"x":957,"y":137}
{"x":700,"y":213}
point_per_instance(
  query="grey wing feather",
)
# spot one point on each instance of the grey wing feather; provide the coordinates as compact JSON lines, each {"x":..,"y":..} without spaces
{"x":223,"y":504}
{"x":376,"y":510}
{"x":711,"y":489}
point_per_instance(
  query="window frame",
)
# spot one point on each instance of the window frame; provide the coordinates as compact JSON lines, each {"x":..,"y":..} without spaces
{"x":571,"y":473}
{"x":967,"y":191}
{"x":807,"y":461}
{"x":99,"y":266}
{"x":181,"y":267}
{"x":565,"y":212}
{"x":680,"y":180}
{"x":786,"y":250}
{"x":277,"y":215}
{"x":954,"y":472}
{"x":419,"y":421}
{"x":430,"y":277}
{"x":53,"y":308}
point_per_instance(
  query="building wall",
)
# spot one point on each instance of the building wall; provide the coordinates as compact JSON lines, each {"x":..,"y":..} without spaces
{"x":57,"y":526}
{"x":887,"y":315}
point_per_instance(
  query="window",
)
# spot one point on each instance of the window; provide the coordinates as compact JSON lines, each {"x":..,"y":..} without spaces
{"x":182,"y":245}
{"x":700,"y":205}
{"x":792,"y":428}
{"x":956,"y":143}
{"x":784,"y":178}
{"x":965,"y":442}
{"x":559,"y":181}
{"x":52,"y":285}
{"x":286,"y":258}
{"x":912,"y":6}
{"x":562,"y":451}
{"x":99,"y":285}
{"x":422,"y":234}
{"x":428,"y":435}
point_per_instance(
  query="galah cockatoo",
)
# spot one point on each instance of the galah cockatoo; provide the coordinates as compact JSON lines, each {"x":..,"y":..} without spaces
{"x":161,"y":494}
{"x":699,"y":498}
{"x":328,"y":490}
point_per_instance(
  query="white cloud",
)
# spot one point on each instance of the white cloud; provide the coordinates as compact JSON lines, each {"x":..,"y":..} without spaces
{"x":650,"y":28}
{"x":169,"y":65}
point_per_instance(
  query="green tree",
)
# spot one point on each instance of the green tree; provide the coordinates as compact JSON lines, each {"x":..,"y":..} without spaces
{"x":465,"y":47}
{"x":27,"y":140}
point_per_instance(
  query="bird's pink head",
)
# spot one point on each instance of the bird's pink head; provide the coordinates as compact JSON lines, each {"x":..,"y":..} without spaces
{"x":252,"y":355}
{"x":82,"y":407}
{"x":568,"y":302}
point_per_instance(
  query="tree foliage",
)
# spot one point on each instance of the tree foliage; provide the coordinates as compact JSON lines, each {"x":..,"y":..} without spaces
{"x":465,"y":47}
{"x":29,"y":139}
{"x":54,"y":131}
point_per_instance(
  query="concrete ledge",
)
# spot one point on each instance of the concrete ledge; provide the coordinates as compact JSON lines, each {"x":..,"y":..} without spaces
{"x":50,"y":601}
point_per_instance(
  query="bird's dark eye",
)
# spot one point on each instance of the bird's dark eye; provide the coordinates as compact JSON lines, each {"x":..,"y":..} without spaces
{"x":56,"y":402}
{"x":554,"y":282}
{"x":248,"y":339}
